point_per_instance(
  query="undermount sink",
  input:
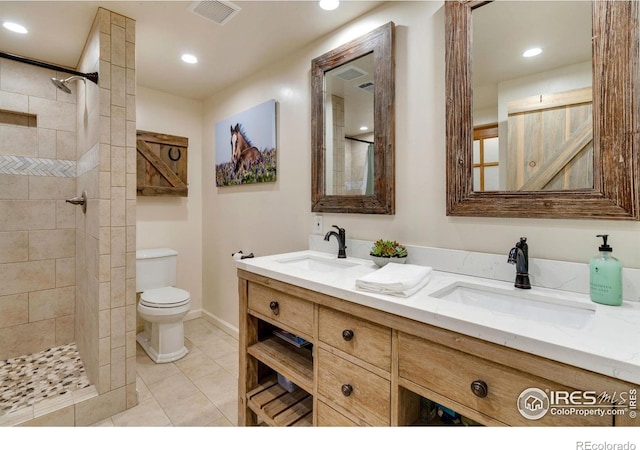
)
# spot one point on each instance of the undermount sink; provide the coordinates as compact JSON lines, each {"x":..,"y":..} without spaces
{"x":524,"y":304}
{"x":317,"y":263}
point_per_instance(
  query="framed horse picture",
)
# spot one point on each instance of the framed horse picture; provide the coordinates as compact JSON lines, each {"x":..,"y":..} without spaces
{"x":246,"y":146}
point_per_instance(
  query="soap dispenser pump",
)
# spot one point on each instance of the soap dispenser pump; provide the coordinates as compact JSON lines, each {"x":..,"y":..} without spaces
{"x":605,"y":276}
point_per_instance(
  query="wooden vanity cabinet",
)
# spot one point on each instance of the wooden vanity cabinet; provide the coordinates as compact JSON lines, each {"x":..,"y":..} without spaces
{"x":365,"y":367}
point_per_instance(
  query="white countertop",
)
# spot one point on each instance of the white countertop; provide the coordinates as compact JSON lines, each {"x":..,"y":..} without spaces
{"x":609,"y":344}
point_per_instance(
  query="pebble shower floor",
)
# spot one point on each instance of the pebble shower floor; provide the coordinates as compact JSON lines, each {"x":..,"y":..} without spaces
{"x":29,"y":379}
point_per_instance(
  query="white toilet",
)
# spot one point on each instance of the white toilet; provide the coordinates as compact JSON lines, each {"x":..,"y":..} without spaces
{"x":161,"y":306}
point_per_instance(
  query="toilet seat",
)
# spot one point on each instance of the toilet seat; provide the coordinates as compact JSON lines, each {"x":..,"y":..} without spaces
{"x":166,"y":297}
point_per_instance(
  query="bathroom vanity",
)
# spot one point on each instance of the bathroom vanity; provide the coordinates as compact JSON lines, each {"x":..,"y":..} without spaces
{"x":374,"y":360}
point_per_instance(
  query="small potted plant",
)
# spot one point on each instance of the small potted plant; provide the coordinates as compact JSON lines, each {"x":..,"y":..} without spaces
{"x":384,"y":252}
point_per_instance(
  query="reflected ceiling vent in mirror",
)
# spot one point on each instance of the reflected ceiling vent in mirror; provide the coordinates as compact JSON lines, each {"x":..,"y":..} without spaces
{"x":349,"y":73}
{"x":367,"y":86}
{"x":219,"y":12}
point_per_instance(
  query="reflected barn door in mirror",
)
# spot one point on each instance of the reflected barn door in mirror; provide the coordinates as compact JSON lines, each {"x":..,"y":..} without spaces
{"x":353,"y":126}
{"x":568,"y":145}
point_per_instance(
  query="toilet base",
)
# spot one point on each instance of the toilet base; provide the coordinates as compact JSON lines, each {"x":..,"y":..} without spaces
{"x":160,"y":350}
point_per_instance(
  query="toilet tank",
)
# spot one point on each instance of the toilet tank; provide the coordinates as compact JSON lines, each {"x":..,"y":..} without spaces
{"x":155,"y":268}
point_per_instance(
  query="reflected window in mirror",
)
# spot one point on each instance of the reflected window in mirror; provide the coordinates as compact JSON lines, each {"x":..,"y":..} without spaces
{"x":353,"y":126}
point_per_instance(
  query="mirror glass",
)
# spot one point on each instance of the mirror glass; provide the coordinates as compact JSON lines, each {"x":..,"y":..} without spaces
{"x":564,"y":165}
{"x":349,"y":128}
{"x":532,"y":96}
{"x":353,"y":126}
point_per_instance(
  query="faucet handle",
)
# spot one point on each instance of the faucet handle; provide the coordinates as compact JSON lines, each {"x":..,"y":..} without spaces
{"x":341,"y":230}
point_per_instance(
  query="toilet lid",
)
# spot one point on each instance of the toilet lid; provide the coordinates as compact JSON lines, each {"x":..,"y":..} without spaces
{"x":166,"y":297}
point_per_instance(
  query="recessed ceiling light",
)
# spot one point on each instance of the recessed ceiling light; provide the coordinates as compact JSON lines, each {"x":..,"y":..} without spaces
{"x":16,"y":28}
{"x":364,"y":128}
{"x":532,"y":52}
{"x":190,"y":59}
{"x":329,"y":5}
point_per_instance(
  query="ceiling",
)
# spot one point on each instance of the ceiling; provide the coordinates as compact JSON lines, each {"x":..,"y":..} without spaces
{"x":261,"y":33}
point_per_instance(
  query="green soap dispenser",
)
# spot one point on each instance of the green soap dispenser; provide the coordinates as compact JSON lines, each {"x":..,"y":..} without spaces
{"x":605,"y":276}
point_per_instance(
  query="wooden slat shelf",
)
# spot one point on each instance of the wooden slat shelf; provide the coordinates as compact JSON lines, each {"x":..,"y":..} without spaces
{"x":278,"y":407}
{"x":293,"y":363}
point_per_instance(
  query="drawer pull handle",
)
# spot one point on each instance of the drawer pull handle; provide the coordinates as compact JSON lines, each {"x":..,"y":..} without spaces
{"x":480,"y":388}
{"x":347,"y":335}
{"x":347,"y":389}
{"x":275,"y":307}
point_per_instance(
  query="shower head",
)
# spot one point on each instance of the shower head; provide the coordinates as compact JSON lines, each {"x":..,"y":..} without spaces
{"x":62,"y":84}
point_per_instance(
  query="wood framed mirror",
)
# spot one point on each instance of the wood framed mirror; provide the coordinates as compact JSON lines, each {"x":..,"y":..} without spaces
{"x":614,"y":190}
{"x":352,"y":169}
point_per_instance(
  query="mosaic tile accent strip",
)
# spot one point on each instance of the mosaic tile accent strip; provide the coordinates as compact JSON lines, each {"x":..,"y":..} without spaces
{"x":29,"y":379}
{"x":25,"y":165}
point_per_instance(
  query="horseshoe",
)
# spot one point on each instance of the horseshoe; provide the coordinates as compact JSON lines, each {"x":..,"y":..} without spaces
{"x":171,"y":156}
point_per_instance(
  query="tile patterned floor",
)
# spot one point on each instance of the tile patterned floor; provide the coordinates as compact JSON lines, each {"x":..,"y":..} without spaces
{"x":31,"y":379}
{"x":198,"y":390}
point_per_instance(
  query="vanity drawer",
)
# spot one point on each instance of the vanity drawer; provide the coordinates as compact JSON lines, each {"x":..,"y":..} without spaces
{"x":362,"y":393}
{"x":329,"y":417}
{"x":360,"y":338}
{"x":450,"y":373}
{"x":292,"y":313}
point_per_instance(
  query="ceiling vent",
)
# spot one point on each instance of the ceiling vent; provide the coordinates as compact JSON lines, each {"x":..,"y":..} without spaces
{"x":219,"y":12}
{"x":349,"y":73}
{"x":368,"y":86}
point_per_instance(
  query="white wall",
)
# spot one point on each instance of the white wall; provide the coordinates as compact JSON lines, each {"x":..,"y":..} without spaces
{"x":276,"y":217}
{"x":175,"y":222}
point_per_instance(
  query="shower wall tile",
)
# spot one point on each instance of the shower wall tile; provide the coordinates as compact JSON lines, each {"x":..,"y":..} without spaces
{"x":105,"y":268}
{"x":118,"y":374}
{"x":52,"y":188}
{"x":118,"y":19}
{"x":14,"y":187}
{"x":51,"y":303}
{"x":118,"y":125}
{"x":105,"y":296}
{"x":105,"y":47}
{"x":118,"y":207}
{"x":65,"y":330}
{"x":105,"y":130}
{"x":117,"y":327}
{"x":53,"y":114}
{"x":118,"y":86}
{"x":18,"y":141}
{"x":104,"y":351}
{"x":16,"y":278}
{"x":118,"y":287}
{"x":65,"y":272}
{"x":14,"y":246}
{"x":66,"y":214}
{"x":27,"y":215}
{"x":131,"y":81}
{"x":118,"y":166}
{"x":27,"y":338}
{"x":14,"y":310}
{"x":117,"y":45}
{"x":118,"y":246}
{"x":20,"y":78}
{"x":101,"y":407}
{"x":130,"y":54}
{"x":105,"y":74}
{"x":105,"y":157}
{"x":130,"y":30}
{"x":10,"y":101}
{"x":66,"y":145}
{"x":46,"y":140}
{"x":52,"y":244}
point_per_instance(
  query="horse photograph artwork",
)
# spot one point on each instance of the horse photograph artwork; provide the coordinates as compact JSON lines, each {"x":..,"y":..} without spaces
{"x":246,"y":146}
